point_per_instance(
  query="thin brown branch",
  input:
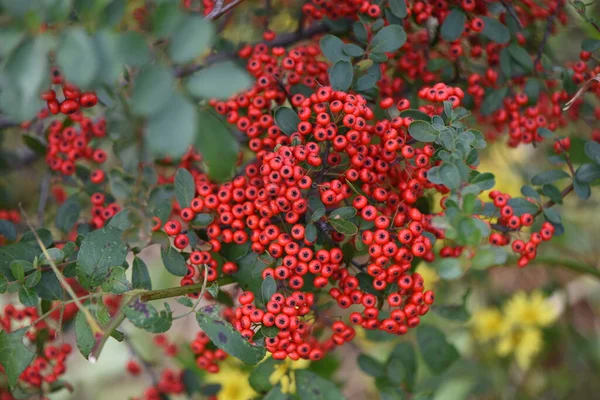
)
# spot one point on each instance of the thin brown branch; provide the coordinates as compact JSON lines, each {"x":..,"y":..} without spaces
{"x":509,"y":8}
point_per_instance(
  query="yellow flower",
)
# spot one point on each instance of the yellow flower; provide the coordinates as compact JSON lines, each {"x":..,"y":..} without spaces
{"x":487,"y":324}
{"x":234,"y":383}
{"x":430,"y":277}
{"x":525,"y":343}
{"x":530,"y":311}
{"x":282,"y":375}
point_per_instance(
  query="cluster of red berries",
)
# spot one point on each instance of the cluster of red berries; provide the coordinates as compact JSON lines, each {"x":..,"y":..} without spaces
{"x":49,"y":364}
{"x":102,"y":211}
{"x":170,"y":383}
{"x":73,"y":97}
{"x":333,"y":148}
{"x":513,"y":223}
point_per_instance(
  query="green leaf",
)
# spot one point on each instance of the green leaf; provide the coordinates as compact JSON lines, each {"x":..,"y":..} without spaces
{"x":276,"y":394}
{"x":587,"y":173}
{"x":310,"y":386}
{"x":452,"y":312}
{"x":370,"y":366}
{"x":14,"y":355}
{"x":191,"y":39}
{"x":287,"y":120}
{"x":495,"y":30}
{"x":493,"y":100}
{"x":116,"y":283}
{"x":521,"y":206}
{"x":582,"y":190}
{"x":259,"y":377}
{"x":333,"y":48}
{"x":398,"y":8}
{"x":532,"y":90}
{"x":185,"y":187}
{"x":521,"y":56}
{"x":552,"y":215}
{"x":49,"y":287}
{"x":145,"y":316}
{"x":152,"y":90}
{"x":405,"y":353}
{"x":488,"y":256}
{"x":218,"y":147}
{"x":422,"y":131}
{"x":68,"y":214}
{"x":353,"y":50}
{"x":317,"y":207}
{"x":310,"y":233}
{"x":341,"y":75}
{"x":77,"y":57}
{"x":553,"y":193}
{"x":202,"y":220}
{"x":485,"y":181}
{"x":388,"y":39}
{"x":173,"y":261}
{"x":8,"y":230}
{"x":360,"y":32}
{"x":343,"y":213}
{"x":140,"y":278}
{"x":549,"y":177}
{"x":3,"y":284}
{"x":528,"y":191}
{"x":590,"y":45}
{"x":172,"y":130}
{"x":134,"y":49}
{"x":219,"y":81}
{"x":227,"y":338}
{"x":450,"y":176}
{"x":26,"y":71}
{"x":121,"y":220}
{"x":344,"y":227}
{"x":415,"y":115}
{"x":437,"y":353}
{"x":454,"y":25}
{"x":100,"y":250}
{"x":268,"y":288}
{"x":448,"y":268}
{"x":84,"y":335}
{"x":33,"y":279}
{"x":166,"y":19}
{"x":34,"y":143}
{"x":28,"y":297}
{"x":592,"y":150}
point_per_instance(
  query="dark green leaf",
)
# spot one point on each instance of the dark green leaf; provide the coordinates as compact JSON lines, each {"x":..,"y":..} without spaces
{"x":495,"y":30}
{"x":592,"y":150}
{"x":588,"y":173}
{"x":202,"y":220}
{"x":521,"y":56}
{"x":173,"y":261}
{"x":227,"y":338}
{"x":493,"y":100}
{"x":552,"y":192}
{"x":549,"y":177}
{"x":438,"y":354}
{"x":34,"y":143}
{"x":68,"y":213}
{"x":77,"y":56}
{"x":422,"y":131}
{"x":268,"y":288}
{"x":218,"y":147}
{"x":370,"y":366}
{"x":552,"y":215}
{"x":406,"y":354}
{"x":99,"y":251}
{"x":528,"y":191}
{"x":145,"y":316}
{"x":454,"y":25}
{"x":582,"y":190}
{"x":310,"y":386}
{"x":332,"y":48}
{"x":450,"y":176}
{"x":259,"y":378}
{"x":310,"y":233}
{"x":341,"y":75}
{"x":343,"y":213}
{"x":8,"y":230}
{"x":353,"y":50}
{"x":522,"y":206}
{"x":590,"y":45}
{"x":14,"y":355}
{"x":152,"y":90}
{"x":219,"y":81}
{"x":185,"y":187}
{"x":287,"y":120}
{"x":388,"y":39}
{"x":140,"y":278}
{"x":116,"y":283}
{"x":28,"y":297}
{"x":191,"y":39}
{"x":344,"y":227}
{"x":172,"y":130}
{"x":398,"y":8}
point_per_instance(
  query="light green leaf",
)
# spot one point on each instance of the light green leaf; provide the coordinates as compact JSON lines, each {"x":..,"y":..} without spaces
{"x":219,"y":81}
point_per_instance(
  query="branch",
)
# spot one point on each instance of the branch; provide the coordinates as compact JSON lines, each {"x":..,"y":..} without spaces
{"x":509,"y":8}
{"x":219,"y":9}
{"x":547,"y":32}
